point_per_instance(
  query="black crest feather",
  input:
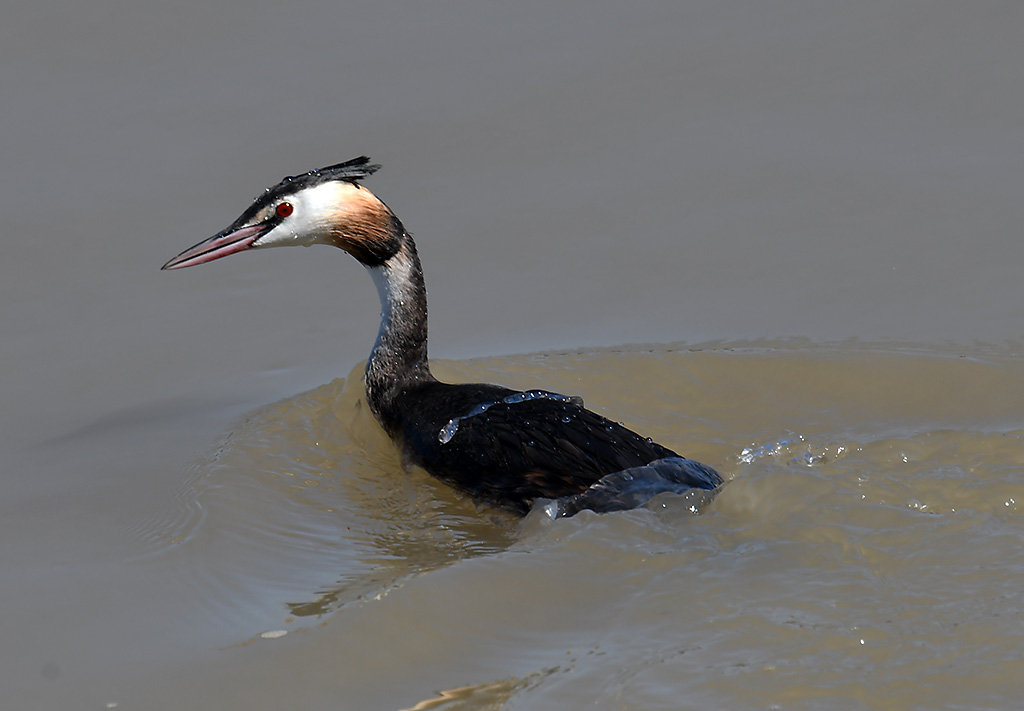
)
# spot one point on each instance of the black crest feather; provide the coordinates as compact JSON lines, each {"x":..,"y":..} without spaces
{"x":354,"y":169}
{"x":350,"y":171}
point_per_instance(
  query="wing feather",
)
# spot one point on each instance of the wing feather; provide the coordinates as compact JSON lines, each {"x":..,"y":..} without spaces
{"x":514,"y":453}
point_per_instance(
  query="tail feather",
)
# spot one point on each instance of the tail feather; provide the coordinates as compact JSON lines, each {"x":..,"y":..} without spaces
{"x":635,"y":486}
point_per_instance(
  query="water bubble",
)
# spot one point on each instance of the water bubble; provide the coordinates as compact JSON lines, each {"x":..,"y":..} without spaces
{"x":444,"y":436}
{"x":448,"y":431}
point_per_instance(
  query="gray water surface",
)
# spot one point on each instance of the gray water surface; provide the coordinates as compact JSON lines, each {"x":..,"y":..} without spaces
{"x":817,"y":207}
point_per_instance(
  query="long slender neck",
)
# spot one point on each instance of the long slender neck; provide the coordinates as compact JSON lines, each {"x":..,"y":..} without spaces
{"x":399,"y":357}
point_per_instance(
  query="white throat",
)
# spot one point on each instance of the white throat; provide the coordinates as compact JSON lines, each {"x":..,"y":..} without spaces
{"x":394,"y":282}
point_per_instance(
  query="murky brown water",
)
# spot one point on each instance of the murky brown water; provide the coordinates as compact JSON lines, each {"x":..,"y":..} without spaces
{"x":821,"y":204}
{"x":865,"y":552}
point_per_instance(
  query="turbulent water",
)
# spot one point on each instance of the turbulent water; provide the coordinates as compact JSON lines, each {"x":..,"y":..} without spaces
{"x":865,"y":549}
{"x":576,"y":175}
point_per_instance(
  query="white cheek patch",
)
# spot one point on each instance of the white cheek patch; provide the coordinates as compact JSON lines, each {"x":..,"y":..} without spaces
{"x":322,"y":199}
{"x":310,"y":222}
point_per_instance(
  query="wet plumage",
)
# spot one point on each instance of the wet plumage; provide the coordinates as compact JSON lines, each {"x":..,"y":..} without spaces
{"x":498,"y":445}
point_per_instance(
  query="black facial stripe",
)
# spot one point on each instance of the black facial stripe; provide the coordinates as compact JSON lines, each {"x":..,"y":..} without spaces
{"x":350,"y":171}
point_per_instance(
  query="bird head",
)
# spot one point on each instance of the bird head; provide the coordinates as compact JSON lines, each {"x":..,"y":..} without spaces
{"x":325,"y":206}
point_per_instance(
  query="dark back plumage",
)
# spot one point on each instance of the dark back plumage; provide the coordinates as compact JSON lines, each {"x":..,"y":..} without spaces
{"x":513,"y":454}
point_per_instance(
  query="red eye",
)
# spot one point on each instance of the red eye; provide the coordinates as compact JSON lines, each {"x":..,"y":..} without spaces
{"x":285,"y":209}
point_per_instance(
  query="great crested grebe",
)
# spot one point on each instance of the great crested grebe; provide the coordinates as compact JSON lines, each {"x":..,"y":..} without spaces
{"x":501,"y":446}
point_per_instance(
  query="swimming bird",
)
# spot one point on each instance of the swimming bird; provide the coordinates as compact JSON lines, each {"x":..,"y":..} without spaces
{"x":501,"y":446}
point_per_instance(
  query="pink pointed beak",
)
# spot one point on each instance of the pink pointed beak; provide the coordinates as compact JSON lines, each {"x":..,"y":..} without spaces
{"x":220,"y":245}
